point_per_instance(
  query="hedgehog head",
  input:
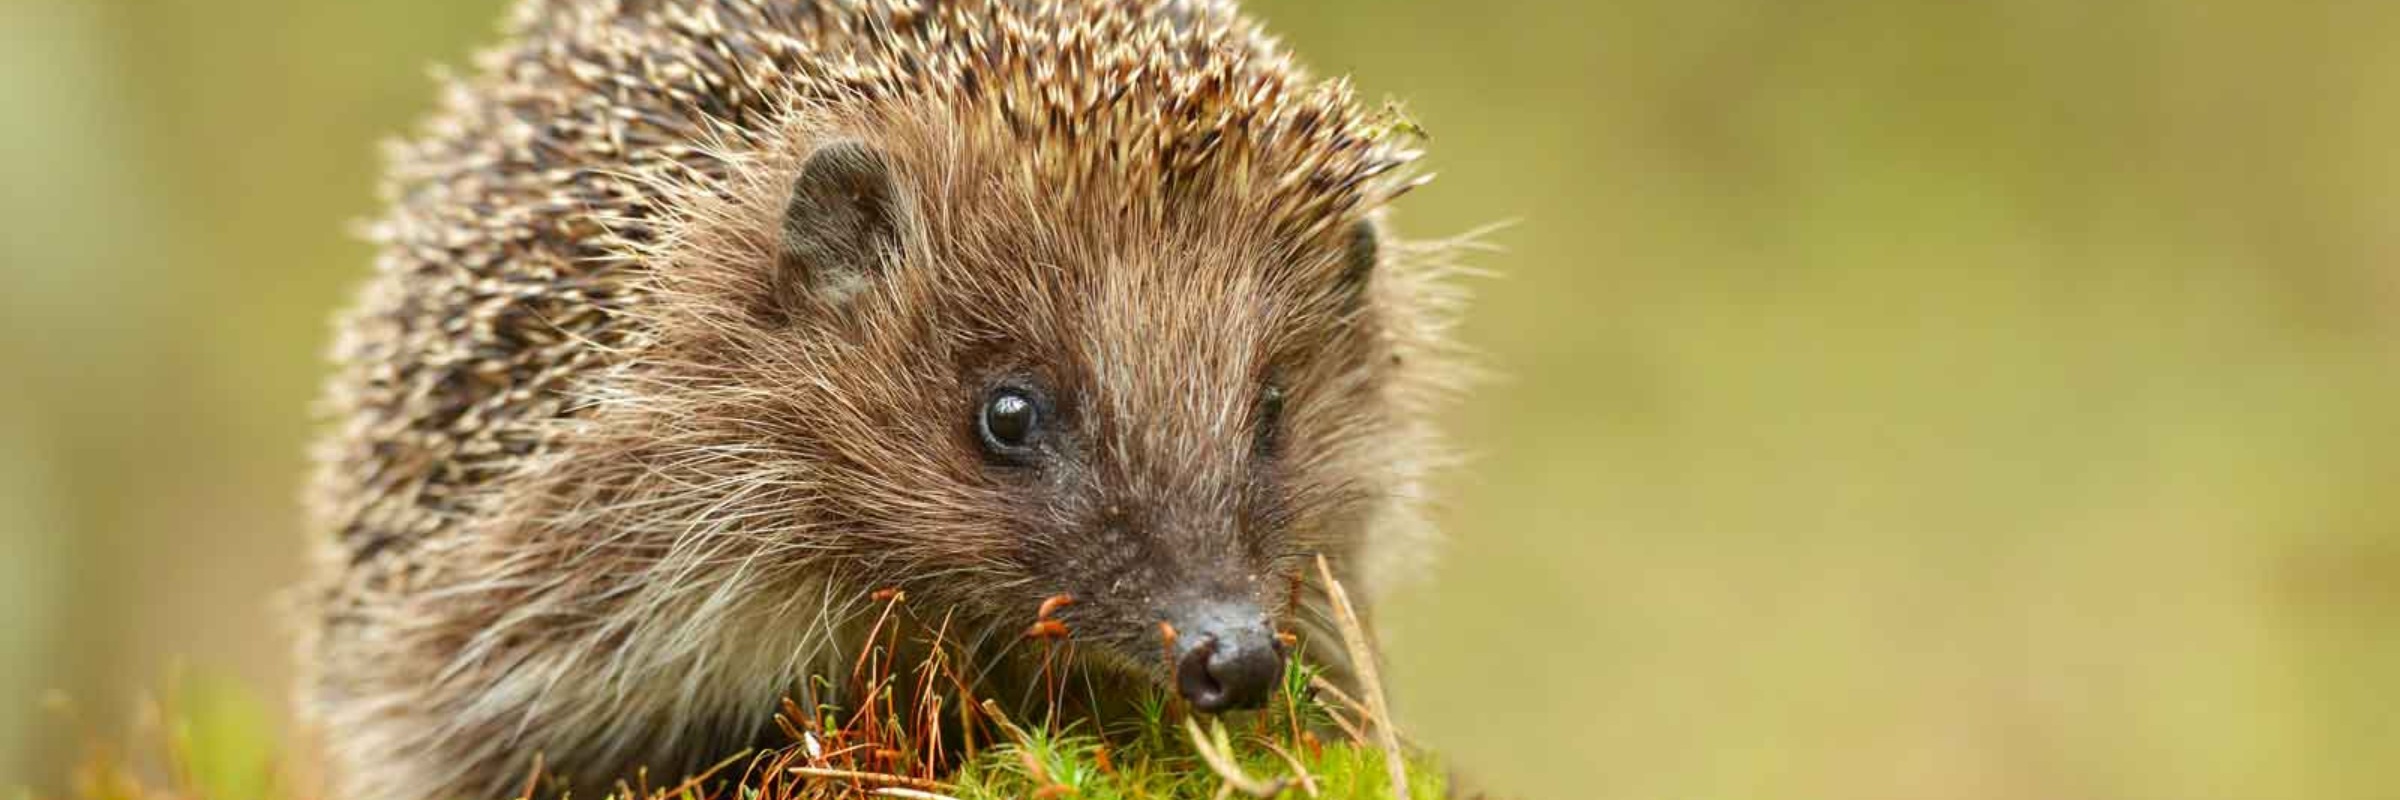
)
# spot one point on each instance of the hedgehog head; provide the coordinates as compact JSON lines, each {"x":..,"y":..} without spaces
{"x":1095,"y":307}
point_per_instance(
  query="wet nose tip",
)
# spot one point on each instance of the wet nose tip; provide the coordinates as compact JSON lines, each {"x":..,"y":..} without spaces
{"x":1230,"y":667}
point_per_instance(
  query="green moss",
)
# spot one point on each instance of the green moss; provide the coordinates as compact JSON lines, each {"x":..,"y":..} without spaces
{"x":213,"y":742}
{"x":1151,"y":755}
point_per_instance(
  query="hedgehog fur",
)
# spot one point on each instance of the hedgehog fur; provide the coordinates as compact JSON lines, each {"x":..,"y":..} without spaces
{"x":602,"y":486}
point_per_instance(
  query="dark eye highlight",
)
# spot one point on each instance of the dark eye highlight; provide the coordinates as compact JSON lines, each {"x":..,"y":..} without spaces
{"x":1008,"y":421}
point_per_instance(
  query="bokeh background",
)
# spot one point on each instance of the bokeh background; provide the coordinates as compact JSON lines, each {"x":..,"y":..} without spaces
{"x":1896,"y":399}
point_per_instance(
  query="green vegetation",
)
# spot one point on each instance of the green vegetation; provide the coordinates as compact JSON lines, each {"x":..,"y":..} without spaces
{"x":205,"y":738}
{"x":209,"y":742}
{"x":916,"y":733}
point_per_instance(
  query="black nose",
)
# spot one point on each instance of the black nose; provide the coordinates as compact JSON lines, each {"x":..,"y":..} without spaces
{"x":1232,"y":659}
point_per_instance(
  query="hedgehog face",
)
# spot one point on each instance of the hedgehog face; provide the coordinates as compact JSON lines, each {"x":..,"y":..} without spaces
{"x":1164,"y":415}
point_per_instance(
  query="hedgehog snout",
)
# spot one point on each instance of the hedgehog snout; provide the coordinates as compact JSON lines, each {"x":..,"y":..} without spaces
{"x":1230,"y":657}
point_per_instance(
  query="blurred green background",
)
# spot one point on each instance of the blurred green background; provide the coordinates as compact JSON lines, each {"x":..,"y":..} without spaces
{"x":1898,"y":399}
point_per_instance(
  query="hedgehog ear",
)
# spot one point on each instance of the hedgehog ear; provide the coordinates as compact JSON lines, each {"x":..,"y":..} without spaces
{"x":1362,"y":246}
{"x":840,"y":229}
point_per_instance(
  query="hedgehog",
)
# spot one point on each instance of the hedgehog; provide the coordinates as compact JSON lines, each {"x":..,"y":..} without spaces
{"x":696,"y":322}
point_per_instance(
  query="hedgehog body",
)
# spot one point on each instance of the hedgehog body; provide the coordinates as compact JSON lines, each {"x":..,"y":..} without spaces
{"x":696,"y":321}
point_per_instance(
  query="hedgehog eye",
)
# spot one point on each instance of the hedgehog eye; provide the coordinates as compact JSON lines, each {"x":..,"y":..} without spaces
{"x":1270,"y":419}
{"x":1008,"y":421}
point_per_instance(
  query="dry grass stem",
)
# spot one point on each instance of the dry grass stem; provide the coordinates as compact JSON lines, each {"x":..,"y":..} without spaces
{"x":533,"y":777}
{"x":1307,"y":782}
{"x":1333,"y":690}
{"x":1370,"y":681}
{"x":992,"y":709}
{"x":1217,"y":753}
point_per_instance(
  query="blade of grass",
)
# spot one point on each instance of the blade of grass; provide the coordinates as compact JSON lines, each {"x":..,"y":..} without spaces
{"x":1217,"y":753}
{"x":1354,"y":637}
